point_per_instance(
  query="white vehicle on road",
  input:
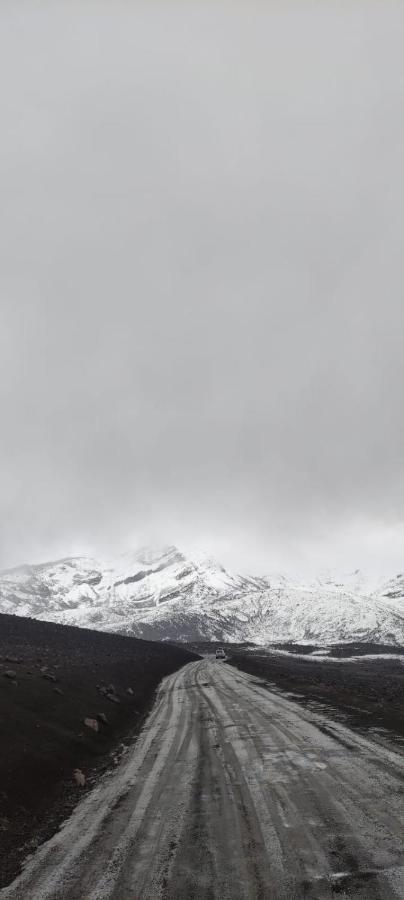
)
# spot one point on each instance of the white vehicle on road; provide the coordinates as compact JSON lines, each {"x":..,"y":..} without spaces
{"x":220,"y":654}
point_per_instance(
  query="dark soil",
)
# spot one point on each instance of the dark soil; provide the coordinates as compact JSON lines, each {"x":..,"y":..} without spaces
{"x":55,"y":676}
{"x":343,"y":651}
{"x":366,"y":694}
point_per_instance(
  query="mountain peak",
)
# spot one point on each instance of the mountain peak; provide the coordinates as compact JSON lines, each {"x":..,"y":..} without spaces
{"x":164,"y":592}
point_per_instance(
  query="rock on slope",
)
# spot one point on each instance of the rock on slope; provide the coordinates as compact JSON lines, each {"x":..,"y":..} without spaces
{"x":163,"y":594}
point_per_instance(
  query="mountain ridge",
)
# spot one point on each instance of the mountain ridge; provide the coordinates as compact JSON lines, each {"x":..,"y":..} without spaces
{"x":165,"y":594}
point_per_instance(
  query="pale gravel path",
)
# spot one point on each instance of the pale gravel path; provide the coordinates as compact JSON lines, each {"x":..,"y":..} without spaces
{"x":232,"y":792}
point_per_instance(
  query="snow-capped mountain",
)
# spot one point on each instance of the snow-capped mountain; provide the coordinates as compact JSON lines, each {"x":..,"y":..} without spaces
{"x":164,"y":594}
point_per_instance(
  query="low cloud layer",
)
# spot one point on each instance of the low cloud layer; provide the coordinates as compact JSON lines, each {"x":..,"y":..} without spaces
{"x":201,"y":281}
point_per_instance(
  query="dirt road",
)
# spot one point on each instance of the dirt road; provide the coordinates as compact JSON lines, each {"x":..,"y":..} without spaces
{"x":232,"y":792}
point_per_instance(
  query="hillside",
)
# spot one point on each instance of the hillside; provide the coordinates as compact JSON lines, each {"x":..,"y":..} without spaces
{"x":52,"y":679}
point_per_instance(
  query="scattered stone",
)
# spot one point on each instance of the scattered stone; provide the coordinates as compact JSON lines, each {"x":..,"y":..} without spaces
{"x":10,"y":673}
{"x":129,"y":690}
{"x":113,"y":698}
{"x":102,"y":718}
{"x":49,"y":677}
{"x":111,"y":689}
{"x":103,"y":690}
{"x":58,"y":691}
{"x":12,"y":659}
{"x":79,"y":778}
{"x":92,"y":723}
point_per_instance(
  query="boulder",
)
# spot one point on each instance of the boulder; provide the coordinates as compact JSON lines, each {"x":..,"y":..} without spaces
{"x":79,"y":778}
{"x":113,"y":698}
{"x":92,"y":723}
{"x":10,"y":673}
{"x":129,"y":690}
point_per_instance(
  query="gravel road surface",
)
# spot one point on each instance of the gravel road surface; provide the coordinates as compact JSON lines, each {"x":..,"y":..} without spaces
{"x":232,"y":791}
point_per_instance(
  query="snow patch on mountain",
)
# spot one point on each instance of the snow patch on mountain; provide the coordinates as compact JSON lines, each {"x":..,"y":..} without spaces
{"x":165,"y":594}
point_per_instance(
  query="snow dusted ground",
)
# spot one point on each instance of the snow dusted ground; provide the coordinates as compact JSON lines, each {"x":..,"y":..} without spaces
{"x":324,"y":656}
{"x":164,"y":594}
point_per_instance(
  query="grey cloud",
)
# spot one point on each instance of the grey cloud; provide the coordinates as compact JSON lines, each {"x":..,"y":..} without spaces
{"x":201,"y":280}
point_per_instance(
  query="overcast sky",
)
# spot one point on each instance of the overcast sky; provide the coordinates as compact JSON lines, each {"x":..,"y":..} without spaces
{"x":201,"y":268}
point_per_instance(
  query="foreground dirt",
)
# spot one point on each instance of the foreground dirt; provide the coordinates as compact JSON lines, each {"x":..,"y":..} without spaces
{"x":232,"y":792}
{"x":52,"y":678}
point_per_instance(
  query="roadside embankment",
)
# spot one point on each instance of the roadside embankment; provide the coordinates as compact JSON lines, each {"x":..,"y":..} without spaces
{"x":70,"y":700}
{"x":369,"y":693}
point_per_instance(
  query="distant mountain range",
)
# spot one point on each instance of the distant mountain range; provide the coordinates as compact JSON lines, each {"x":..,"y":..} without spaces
{"x":164,"y":594}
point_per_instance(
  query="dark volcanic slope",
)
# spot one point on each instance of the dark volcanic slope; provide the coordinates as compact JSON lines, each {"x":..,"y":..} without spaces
{"x":52,"y":677}
{"x":369,"y":693}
